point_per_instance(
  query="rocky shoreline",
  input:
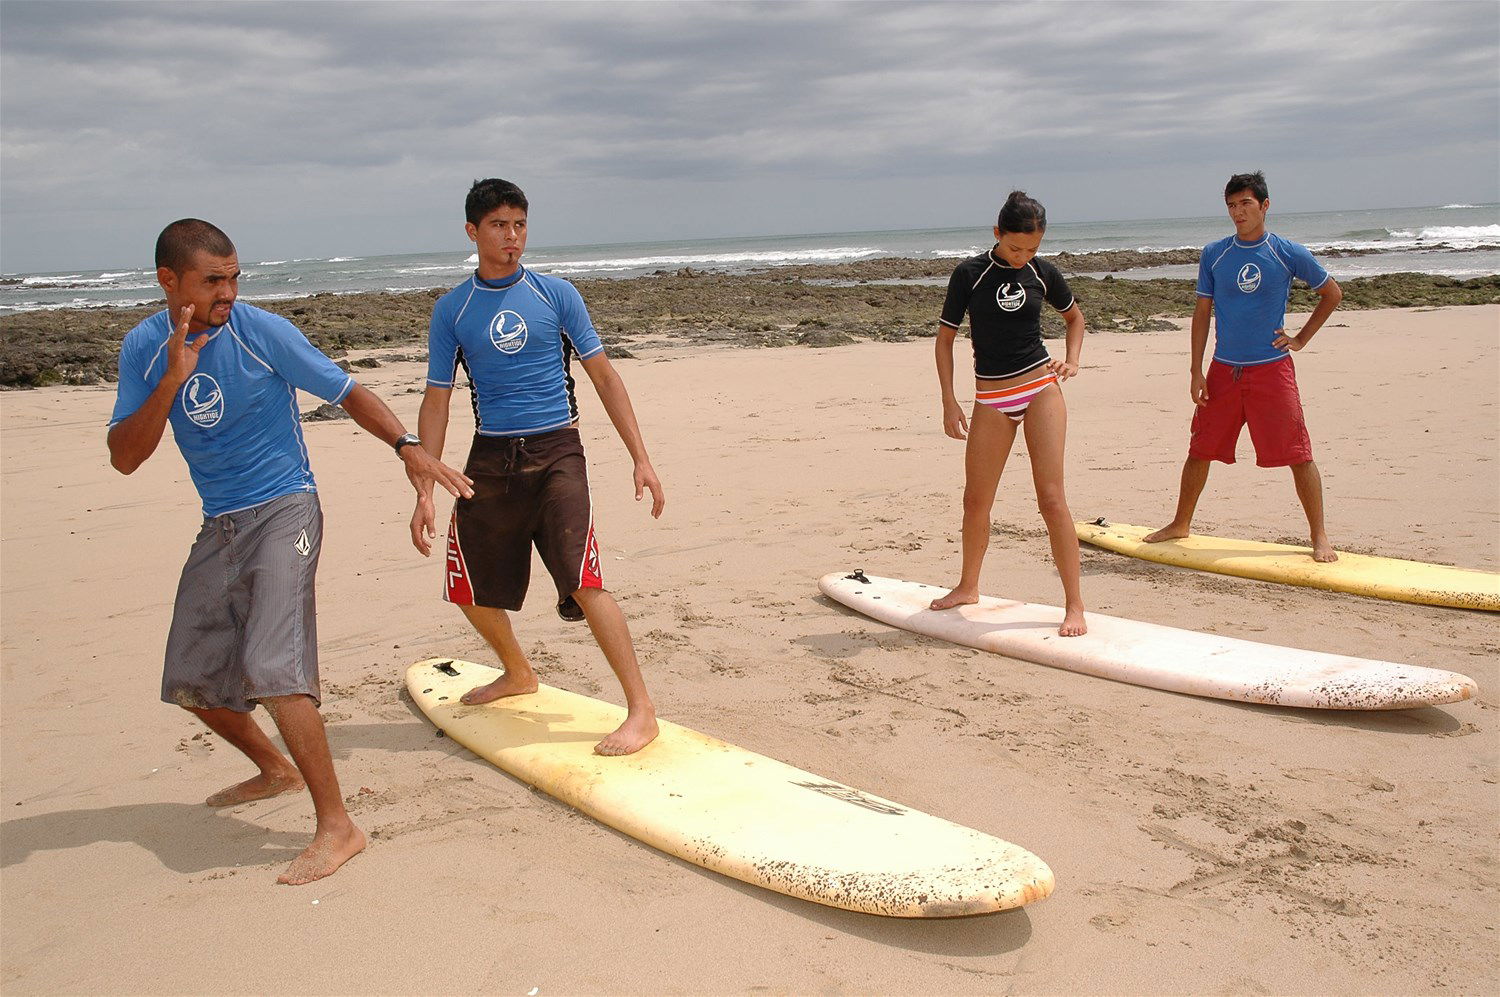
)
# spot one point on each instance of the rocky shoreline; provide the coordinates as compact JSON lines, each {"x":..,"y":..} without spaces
{"x":888,"y":299}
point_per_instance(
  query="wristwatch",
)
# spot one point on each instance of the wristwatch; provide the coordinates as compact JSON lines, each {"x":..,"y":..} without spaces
{"x":406,"y":439}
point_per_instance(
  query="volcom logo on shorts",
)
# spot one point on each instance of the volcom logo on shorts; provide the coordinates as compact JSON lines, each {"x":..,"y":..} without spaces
{"x":1249,"y":278}
{"x":303,"y":546}
{"x":1008,"y":300}
{"x":202,"y":401}
{"x":508,"y":332}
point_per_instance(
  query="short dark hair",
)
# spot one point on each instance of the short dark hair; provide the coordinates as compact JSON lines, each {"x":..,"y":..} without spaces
{"x":1255,"y":183}
{"x":1022,"y":214}
{"x":182,"y":240}
{"x":487,"y":195}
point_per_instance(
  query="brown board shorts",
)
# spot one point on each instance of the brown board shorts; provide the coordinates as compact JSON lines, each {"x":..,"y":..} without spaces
{"x":528,"y":490}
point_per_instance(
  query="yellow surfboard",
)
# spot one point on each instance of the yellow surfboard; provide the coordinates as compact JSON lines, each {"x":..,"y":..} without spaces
{"x":1360,"y":574}
{"x":731,"y":810}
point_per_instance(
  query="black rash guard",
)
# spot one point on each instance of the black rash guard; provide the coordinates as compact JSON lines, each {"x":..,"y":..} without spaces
{"x":1005,"y":311}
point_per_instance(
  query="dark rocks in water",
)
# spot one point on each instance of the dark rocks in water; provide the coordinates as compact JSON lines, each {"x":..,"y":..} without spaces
{"x":775,"y":308}
{"x":326,"y":412}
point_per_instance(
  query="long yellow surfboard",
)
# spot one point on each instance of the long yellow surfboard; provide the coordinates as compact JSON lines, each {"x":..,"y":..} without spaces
{"x":731,"y":810}
{"x":1360,"y":574}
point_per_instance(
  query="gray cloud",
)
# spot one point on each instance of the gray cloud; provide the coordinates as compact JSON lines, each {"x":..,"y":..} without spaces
{"x":356,"y":127}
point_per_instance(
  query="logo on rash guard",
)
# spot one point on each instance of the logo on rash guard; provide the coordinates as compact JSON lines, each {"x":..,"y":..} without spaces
{"x":1249,"y":278}
{"x":202,"y":401}
{"x":508,"y":332}
{"x":1009,"y":300}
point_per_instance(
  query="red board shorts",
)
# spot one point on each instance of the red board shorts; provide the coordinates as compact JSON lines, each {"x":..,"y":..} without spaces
{"x":527,"y":490}
{"x":1265,"y":396}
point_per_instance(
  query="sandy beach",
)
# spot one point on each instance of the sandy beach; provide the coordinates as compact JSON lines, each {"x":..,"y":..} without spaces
{"x":1199,"y":846}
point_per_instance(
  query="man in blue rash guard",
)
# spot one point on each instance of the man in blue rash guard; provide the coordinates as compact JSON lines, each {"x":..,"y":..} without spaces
{"x":1243,"y":284}
{"x":515,"y":333}
{"x":244,"y":625}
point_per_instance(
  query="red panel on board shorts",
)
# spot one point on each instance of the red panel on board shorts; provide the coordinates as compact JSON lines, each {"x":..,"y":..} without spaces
{"x":591,"y":577}
{"x":457,"y":589}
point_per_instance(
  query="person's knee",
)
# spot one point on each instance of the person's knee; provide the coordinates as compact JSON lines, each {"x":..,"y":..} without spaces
{"x":975,"y":503}
{"x":277,"y":705}
{"x":1052,"y":503}
{"x":591,"y":596}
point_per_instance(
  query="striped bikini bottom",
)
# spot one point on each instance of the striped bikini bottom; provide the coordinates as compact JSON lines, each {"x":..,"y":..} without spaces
{"x":1014,"y":401}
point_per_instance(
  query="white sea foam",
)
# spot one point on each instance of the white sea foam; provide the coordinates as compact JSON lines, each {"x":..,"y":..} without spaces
{"x":473,"y":258}
{"x":1459,"y":233}
{"x":784,"y":257}
{"x":80,"y":281}
{"x":1452,"y":236}
{"x":447,"y":269}
{"x":1451,"y":206}
{"x":269,"y":263}
{"x":342,"y":259}
{"x":48,"y":306}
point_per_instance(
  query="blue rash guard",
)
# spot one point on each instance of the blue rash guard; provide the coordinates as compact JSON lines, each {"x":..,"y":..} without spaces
{"x":236,"y":419}
{"x":515,"y":339}
{"x":1249,"y":283}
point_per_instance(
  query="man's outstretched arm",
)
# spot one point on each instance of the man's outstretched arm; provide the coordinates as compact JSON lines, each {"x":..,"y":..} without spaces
{"x":616,"y":401}
{"x":375,"y":417}
{"x":432,"y":427}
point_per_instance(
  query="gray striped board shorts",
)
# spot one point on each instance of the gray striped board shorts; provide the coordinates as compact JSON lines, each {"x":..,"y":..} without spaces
{"x":244,"y":626}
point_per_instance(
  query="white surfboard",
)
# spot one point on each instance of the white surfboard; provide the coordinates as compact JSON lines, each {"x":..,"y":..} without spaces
{"x":1152,"y":655}
{"x":732,"y":810}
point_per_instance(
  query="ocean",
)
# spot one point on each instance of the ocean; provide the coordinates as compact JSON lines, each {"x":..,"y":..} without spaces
{"x":1456,"y":240}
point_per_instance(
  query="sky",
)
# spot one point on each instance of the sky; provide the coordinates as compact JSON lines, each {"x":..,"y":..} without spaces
{"x":310,"y":129}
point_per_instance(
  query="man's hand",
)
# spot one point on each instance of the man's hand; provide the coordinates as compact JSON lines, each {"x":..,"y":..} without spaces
{"x":955,"y":423}
{"x":423,"y":470}
{"x":423,"y":522}
{"x":1284,"y":342}
{"x":645,"y":477}
{"x":182,"y":356}
{"x":1198,"y":389}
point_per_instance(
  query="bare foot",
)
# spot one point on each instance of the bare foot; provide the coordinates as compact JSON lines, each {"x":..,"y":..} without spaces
{"x":1323,"y":552}
{"x":262,"y":787}
{"x":958,"y":597}
{"x":328,"y":851}
{"x":1169,"y":532}
{"x":631,"y":736}
{"x":1073,"y":624}
{"x":505,"y":685}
